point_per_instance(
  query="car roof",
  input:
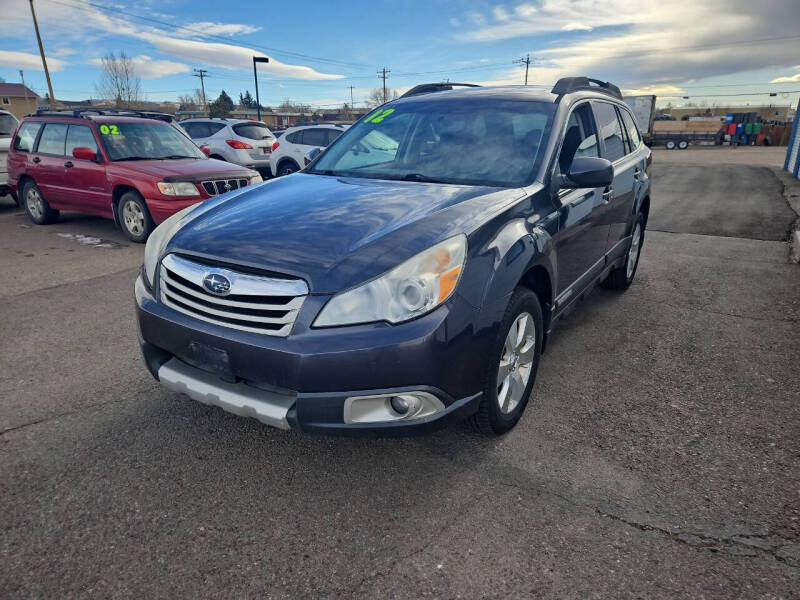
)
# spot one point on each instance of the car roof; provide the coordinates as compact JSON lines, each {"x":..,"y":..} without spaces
{"x":95,"y":118}
{"x":541,"y":93}
{"x":324,"y":125}
{"x":225,"y":120}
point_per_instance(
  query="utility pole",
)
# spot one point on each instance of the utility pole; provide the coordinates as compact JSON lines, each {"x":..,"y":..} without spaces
{"x":44,"y":60}
{"x":256,"y":60}
{"x":201,"y":73}
{"x":351,"y":97}
{"x":27,"y":105}
{"x":383,"y":73}
{"x":527,"y":62}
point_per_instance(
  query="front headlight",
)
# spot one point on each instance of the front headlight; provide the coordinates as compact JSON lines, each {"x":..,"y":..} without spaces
{"x":411,"y":289}
{"x":178,"y":188}
{"x":159,"y":238}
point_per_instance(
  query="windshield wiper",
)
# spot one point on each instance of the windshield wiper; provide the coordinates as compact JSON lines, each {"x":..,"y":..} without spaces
{"x":421,"y":178}
{"x":133,"y":158}
{"x":174,"y":156}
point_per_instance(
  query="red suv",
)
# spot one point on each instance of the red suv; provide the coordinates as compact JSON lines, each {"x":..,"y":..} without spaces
{"x":121,"y":165}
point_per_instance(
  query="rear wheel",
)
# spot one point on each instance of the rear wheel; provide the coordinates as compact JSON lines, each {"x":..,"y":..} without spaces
{"x":513,"y":370}
{"x":134,"y":217}
{"x":287,"y":167}
{"x":621,"y":277}
{"x":683,"y":144}
{"x":670,"y":144}
{"x":36,"y":206}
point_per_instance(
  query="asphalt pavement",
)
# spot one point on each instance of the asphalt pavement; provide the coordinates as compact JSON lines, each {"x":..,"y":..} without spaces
{"x":659,"y":457}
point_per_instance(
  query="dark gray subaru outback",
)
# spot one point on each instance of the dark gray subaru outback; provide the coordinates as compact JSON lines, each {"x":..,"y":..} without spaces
{"x":409,"y":276}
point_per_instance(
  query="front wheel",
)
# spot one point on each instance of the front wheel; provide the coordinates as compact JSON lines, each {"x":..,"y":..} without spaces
{"x":134,"y":217}
{"x":36,"y":206}
{"x":621,"y":277}
{"x":287,"y":168}
{"x":515,"y":361}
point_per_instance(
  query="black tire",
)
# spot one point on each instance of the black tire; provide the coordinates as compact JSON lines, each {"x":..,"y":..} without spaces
{"x":217,"y":157}
{"x":490,"y":418}
{"x":134,"y":218}
{"x":287,"y":167}
{"x":620,"y":278}
{"x":36,"y":206}
{"x":683,"y":144}
{"x":670,"y":144}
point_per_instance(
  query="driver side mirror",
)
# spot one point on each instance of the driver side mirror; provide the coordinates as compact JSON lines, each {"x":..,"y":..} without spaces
{"x":312,"y":154}
{"x":588,"y":172}
{"x":84,"y":153}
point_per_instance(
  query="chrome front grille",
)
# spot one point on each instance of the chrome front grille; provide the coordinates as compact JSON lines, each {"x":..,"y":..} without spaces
{"x":253,"y":303}
{"x":220,"y":186}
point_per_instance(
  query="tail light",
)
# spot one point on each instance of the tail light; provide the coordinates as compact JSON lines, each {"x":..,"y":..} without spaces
{"x":205,"y":149}
{"x":237,"y":145}
{"x":275,"y":146}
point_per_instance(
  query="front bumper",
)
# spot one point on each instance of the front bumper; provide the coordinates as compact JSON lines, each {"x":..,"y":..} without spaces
{"x":160,"y":210}
{"x":303,"y":381}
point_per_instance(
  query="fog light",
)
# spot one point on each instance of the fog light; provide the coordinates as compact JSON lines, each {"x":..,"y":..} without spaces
{"x":391,"y":407}
{"x":404,"y":405}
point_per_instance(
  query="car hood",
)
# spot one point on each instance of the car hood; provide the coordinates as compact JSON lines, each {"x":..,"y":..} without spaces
{"x":183,"y":169}
{"x":335,"y":232}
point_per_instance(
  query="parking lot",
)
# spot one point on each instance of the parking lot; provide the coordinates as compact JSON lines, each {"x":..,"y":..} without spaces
{"x":659,"y":458}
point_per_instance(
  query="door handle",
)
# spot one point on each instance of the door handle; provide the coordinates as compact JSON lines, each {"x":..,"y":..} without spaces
{"x":36,"y":159}
{"x":68,"y":164}
{"x":607,"y":195}
{"x":637,"y":173}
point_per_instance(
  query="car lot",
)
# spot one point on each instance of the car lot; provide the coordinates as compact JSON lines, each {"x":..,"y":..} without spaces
{"x":659,"y":458}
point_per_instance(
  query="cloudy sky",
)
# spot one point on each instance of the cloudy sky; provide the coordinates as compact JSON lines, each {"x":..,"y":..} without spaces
{"x":723,"y":51}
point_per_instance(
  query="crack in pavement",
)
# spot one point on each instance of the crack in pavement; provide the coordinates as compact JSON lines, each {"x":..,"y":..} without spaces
{"x":59,"y":415}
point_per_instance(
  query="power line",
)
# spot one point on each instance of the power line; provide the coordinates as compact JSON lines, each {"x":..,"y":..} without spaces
{"x":202,"y":74}
{"x":527,"y":62}
{"x":383,"y":73}
{"x":116,"y":11}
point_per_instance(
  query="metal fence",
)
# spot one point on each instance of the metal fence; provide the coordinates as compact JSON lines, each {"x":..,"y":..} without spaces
{"x":792,"y":163}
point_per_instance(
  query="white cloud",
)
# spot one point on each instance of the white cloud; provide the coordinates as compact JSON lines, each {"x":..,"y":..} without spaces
{"x":25,"y":60}
{"x":222,"y":28}
{"x":658,"y":90}
{"x":788,"y":79}
{"x":476,"y":18}
{"x":501,"y":14}
{"x":652,"y":43}
{"x":455,"y":22}
{"x":68,"y":23}
{"x":147,"y":68}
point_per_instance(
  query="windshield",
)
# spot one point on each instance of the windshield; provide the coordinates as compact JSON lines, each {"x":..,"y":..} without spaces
{"x":481,"y":141}
{"x":136,"y":140}
{"x":7,"y":125}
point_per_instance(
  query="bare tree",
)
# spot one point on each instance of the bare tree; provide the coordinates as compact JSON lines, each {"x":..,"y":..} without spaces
{"x":289,"y":106}
{"x":119,"y":81}
{"x":193,"y":101}
{"x":375,"y":97}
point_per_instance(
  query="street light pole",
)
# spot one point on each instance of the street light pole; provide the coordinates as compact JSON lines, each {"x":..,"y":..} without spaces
{"x":258,"y":59}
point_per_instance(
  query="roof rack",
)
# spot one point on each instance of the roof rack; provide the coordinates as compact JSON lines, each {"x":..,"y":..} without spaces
{"x":80,"y":113}
{"x":566,"y":85}
{"x":429,"y":88}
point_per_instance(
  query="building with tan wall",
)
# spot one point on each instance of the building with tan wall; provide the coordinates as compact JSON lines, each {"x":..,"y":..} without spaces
{"x":18,"y":99}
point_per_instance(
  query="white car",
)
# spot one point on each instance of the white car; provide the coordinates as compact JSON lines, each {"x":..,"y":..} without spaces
{"x":288,"y":153}
{"x":240,"y":141}
{"x":8,"y":124}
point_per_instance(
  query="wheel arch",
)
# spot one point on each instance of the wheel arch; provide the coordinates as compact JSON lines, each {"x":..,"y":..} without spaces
{"x":284,"y":160}
{"x":116,"y":194}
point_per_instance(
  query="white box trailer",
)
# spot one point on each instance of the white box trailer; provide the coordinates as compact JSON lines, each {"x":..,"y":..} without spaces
{"x":644,"y":109}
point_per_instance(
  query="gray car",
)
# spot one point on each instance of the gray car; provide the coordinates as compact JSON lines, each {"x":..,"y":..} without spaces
{"x":240,"y":141}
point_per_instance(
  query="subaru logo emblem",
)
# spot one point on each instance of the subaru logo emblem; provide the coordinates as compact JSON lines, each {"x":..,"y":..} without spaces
{"x":228,"y":186}
{"x":217,"y":284}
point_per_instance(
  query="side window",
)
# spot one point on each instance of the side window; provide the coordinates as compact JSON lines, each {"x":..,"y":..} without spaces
{"x":80,"y":136}
{"x":610,"y":130}
{"x":53,"y":139}
{"x":332,"y":135}
{"x":213,"y":128}
{"x":580,"y":138}
{"x":296,"y":137}
{"x":633,"y":132}
{"x":26,"y":136}
{"x":315,"y":137}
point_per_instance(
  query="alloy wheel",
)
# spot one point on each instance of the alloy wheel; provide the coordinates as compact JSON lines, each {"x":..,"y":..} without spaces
{"x":133,"y":217}
{"x":633,"y":252}
{"x":34,"y":202}
{"x":516,"y":362}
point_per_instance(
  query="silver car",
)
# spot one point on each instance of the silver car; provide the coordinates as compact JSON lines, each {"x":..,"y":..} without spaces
{"x":240,"y":141}
{"x":8,"y":123}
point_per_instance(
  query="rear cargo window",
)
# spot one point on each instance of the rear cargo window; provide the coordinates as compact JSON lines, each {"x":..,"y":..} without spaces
{"x":252,"y":131}
{"x":26,"y":136}
{"x":7,"y":125}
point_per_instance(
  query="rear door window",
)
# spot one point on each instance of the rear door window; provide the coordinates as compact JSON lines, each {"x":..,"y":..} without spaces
{"x":196,"y":130}
{"x":296,"y":137}
{"x":633,"y":132}
{"x":332,"y":135}
{"x":26,"y":136}
{"x":610,"y":130}
{"x":252,"y":131}
{"x":53,"y":139}
{"x":80,"y":136}
{"x":7,"y":125}
{"x":315,"y":137}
